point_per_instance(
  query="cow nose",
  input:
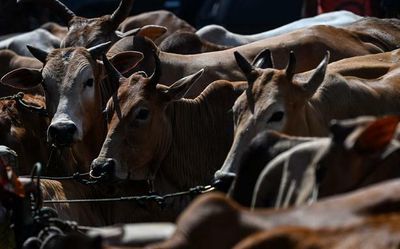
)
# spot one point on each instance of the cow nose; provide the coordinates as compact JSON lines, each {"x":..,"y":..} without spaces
{"x":102,"y":166}
{"x":223,"y":181}
{"x":62,"y":133}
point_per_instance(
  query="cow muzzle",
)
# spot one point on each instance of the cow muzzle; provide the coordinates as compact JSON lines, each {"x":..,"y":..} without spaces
{"x":223,"y":181}
{"x":103,"y":167}
{"x":62,"y":133}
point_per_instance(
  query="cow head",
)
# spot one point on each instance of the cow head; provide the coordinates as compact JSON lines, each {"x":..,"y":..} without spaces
{"x":71,"y":78}
{"x":273,"y":100}
{"x":88,"y":32}
{"x":362,"y":151}
{"x":139,"y":134}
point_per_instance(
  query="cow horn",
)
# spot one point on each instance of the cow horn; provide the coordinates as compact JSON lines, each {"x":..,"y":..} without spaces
{"x":247,"y":69}
{"x":291,"y":66}
{"x":318,"y":76}
{"x":244,"y":65}
{"x":63,"y":11}
{"x":98,"y":50}
{"x":155,"y":77}
{"x":38,"y":53}
{"x":263,"y":60}
{"x":122,"y":12}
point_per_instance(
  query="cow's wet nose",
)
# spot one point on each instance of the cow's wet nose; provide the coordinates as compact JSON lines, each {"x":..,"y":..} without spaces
{"x":101,"y":166}
{"x":62,"y":133}
{"x":223,"y":181}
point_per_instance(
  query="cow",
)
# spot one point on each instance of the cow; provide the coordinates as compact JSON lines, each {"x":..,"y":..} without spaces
{"x":182,"y":131}
{"x":188,"y":43}
{"x":359,"y":153}
{"x":88,"y":32}
{"x":225,"y":224}
{"x":24,"y":131}
{"x":159,"y":17}
{"x":74,"y":83}
{"x":40,"y":38}
{"x":304,"y":104}
{"x":367,"y":36}
{"x":219,"y":35}
{"x":262,"y":149}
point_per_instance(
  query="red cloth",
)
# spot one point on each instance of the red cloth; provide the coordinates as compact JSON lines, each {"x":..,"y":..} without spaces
{"x":359,"y":7}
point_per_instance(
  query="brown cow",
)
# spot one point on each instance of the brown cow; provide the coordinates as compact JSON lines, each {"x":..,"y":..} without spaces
{"x":182,"y":131}
{"x":24,"y":131}
{"x":225,"y":224}
{"x":367,"y":36}
{"x":303,"y":104}
{"x":73,"y":79}
{"x":158,"y":17}
{"x":357,"y":155}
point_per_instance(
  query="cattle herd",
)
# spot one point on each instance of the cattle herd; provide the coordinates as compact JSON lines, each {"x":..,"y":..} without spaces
{"x":203,"y":138}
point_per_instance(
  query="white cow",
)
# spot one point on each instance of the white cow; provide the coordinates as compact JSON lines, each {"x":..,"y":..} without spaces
{"x":218,"y":34}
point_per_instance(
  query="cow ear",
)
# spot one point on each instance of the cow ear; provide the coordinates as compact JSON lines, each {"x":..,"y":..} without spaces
{"x":182,"y":86}
{"x":263,"y":60}
{"x":318,"y":76}
{"x":126,"y":61}
{"x":374,"y":137}
{"x":22,"y":78}
{"x":151,"y":31}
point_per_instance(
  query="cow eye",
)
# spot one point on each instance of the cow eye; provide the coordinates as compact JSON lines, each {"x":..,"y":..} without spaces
{"x":89,"y":83}
{"x":142,"y":114}
{"x":276,"y":117}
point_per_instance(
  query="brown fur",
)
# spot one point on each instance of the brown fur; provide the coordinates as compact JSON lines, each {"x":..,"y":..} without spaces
{"x":188,"y":43}
{"x":159,"y":17}
{"x":309,"y":46}
{"x":101,"y":214}
{"x":224,"y":223}
{"x":309,"y":105}
{"x":24,"y":132}
{"x":9,"y":61}
{"x":183,"y":133}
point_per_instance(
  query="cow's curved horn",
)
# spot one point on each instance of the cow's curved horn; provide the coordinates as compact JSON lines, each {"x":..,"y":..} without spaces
{"x":318,"y":76}
{"x":122,"y":12}
{"x":263,"y":59}
{"x":155,"y":77}
{"x":38,"y":53}
{"x":291,"y":66}
{"x":63,"y":11}
{"x":98,"y":50}
{"x":244,"y":65}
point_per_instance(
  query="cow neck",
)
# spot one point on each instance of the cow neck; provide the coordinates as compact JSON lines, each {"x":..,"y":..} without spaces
{"x":346,"y":97}
{"x":202,"y":133}
{"x":87,"y":150}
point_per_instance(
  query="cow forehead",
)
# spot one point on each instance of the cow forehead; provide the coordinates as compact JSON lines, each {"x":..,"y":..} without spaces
{"x":67,"y":62}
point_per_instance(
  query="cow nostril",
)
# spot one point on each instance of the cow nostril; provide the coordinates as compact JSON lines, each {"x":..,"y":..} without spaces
{"x":70,"y":128}
{"x":103,"y":167}
{"x":62,"y":133}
